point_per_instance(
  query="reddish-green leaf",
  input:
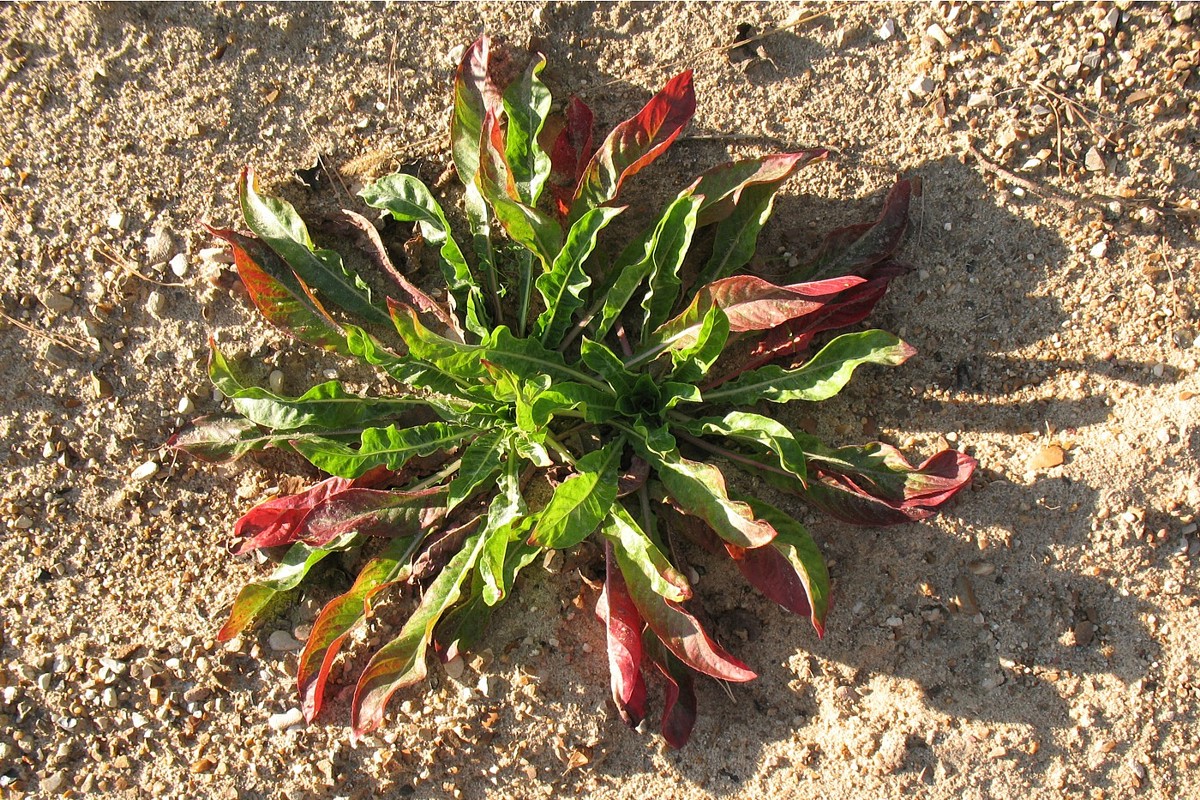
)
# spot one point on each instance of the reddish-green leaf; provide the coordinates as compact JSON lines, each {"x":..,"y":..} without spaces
{"x":855,"y":249}
{"x":533,"y":229}
{"x":875,"y":485}
{"x":279,"y":295}
{"x":276,"y":222}
{"x":401,"y":662}
{"x":635,"y":143}
{"x":678,"y":629}
{"x":280,"y":520}
{"x":337,"y":619}
{"x":790,"y":570}
{"x":218,"y":438}
{"x":256,"y":599}
{"x":722,"y":186}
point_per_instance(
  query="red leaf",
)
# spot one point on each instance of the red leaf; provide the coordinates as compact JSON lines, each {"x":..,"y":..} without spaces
{"x":623,"y":629}
{"x":768,"y":571}
{"x":280,"y":520}
{"x":679,"y":699}
{"x":635,"y":143}
{"x":793,"y":337}
{"x":569,"y":153}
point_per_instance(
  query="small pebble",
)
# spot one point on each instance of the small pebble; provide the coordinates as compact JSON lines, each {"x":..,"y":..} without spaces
{"x":290,"y":718}
{"x":887,"y":30}
{"x":159,"y":246}
{"x":156,"y":304}
{"x":145,"y":471}
{"x":116,"y":221}
{"x":215,"y":255}
{"x":1047,"y":457}
{"x":455,"y":54}
{"x":922,"y":86}
{"x":938,"y":34}
{"x":275,"y":380}
{"x":283,"y":641}
{"x":1099,"y":248}
{"x":454,"y":669}
{"x":186,"y":405}
{"x":1094,"y":161}
{"x":53,"y":784}
{"x":57,"y":302}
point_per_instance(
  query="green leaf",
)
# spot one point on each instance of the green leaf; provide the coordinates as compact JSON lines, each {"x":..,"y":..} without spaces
{"x":693,"y":361}
{"x":563,"y":285}
{"x":788,"y":447}
{"x":401,"y":662}
{"x":624,"y":277}
{"x":699,"y":490}
{"x":480,"y":461}
{"x":408,"y":200}
{"x":326,"y":405}
{"x":671,"y":243}
{"x":255,"y":599}
{"x":462,"y":626}
{"x":821,"y":377}
{"x":527,"y":104}
{"x":339,"y":617}
{"x":390,"y":446}
{"x":580,"y":502}
{"x":600,"y":359}
{"x":506,"y":522}
{"x":524,"y":357}
{"x":736,"y":236}
{"x":641,"y":551}
{"x":595,"y":406}
{"x":276,"y":222}
{"x":531,"y":228}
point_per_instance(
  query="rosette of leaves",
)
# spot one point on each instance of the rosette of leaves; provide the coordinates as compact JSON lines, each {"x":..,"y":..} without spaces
{"x":618,"y":380}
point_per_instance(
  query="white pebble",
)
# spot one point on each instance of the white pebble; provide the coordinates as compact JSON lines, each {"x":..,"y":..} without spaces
{"x":1099,"y":248}
{"x":276,"y":381}
{"x":179,"y":265}
{"x":887,"y":30}
{"x":186,"y":406}
{"x":109,"y":697}
{"x":145,"y":471}
{"x":938,"y":34}
{"x":454,"y":56}
{"x":116,"y":220}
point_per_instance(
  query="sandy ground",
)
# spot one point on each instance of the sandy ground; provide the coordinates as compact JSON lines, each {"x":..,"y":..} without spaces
{"x":1037,"y":640}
